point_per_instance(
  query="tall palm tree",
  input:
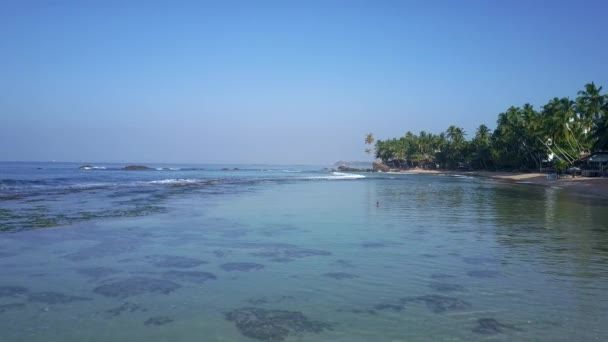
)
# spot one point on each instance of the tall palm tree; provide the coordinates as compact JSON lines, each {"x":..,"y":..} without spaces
{"x":369,"y":140}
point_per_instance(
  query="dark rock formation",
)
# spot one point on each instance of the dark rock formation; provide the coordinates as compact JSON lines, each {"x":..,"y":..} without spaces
{"x":273,"y":325}
{"x":136,"y":286}
{"x":137,"y":168}
{"x":344,"y":168}
{"x":379,"y":166}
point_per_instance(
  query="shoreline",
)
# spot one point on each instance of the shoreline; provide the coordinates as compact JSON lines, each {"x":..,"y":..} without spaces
{"x":595,"y":186}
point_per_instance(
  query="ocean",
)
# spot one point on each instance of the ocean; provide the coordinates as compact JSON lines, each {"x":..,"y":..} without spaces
{"x":294,"y":253}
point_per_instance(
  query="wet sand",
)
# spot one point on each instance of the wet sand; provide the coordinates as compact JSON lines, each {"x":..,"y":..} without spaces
{"x":595,"y":186}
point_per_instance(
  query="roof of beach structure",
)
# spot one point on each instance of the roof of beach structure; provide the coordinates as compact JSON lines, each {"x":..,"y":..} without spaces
{"x":597,"y":157}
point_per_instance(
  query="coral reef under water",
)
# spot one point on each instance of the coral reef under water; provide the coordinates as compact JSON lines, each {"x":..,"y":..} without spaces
{"x":490,"y":326}
{"x":136,"y":286}
{"x":273,"y":325}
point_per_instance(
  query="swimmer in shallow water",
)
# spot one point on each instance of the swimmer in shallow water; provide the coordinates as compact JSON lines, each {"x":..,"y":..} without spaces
{"x":377,"y":204}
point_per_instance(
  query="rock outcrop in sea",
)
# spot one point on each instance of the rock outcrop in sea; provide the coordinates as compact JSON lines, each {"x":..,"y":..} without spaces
{"x":137,"y":168}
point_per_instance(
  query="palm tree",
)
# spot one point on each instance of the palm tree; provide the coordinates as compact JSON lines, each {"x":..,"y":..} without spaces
{"x":369,"y":140}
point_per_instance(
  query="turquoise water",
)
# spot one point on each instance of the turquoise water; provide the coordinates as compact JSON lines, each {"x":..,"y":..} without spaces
{"x":312,"y":257}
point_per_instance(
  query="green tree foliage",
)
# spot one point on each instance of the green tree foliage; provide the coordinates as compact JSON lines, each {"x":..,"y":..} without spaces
{"x":563,"y":131}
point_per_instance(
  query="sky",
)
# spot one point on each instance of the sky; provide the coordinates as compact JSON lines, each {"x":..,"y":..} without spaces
{"x":277,"y":82}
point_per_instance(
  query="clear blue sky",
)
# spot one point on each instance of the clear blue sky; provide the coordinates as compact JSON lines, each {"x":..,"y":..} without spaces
{"x":277,"y":81}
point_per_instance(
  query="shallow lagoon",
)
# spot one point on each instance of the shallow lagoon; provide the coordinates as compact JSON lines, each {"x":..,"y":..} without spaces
{"x":441,"y":258}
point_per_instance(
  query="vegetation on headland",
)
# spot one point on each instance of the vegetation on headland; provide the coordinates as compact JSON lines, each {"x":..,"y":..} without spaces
{"x":557,"y":135}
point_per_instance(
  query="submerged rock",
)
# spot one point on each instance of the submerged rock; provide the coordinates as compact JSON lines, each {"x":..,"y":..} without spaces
{"x":341,"y":275}
{"x":158,"y":320}
{"x":273,"y":325}
{"x":12,"y":291}
{"x":445,"y":287}
{"x":490,"y":326}
{"x":241,"y":266}
{"x":191,"y":276}
{"x":174,"y":261}
{"x":440,"y":304}
{"x":136,"y":286}
{"x":54,"y":298}
{"x":11,"y":306}
{"x":96,"y":273}
{"x":125,"y":307}
{"x":484,"y":274}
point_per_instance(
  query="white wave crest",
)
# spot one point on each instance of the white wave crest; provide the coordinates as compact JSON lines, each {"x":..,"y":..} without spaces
{"x":176,"y":181}
{"x":291,"y":171}
{"x":338,"y":176}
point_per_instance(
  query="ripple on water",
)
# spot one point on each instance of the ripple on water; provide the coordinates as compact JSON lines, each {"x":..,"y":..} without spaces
{"x":490,"y":326}
{"x":241,"y":266}
{"x":190,"y":276}
{"x":340,"y":275}
{"x":54,"y":298}
{"x":12,"y":291}
{"x":174,"y":261}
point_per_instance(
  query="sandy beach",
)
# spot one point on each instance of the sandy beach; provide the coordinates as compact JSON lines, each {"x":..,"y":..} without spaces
{"x":596,"y":186}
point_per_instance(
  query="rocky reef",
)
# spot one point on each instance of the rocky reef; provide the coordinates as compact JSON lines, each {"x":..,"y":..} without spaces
{"x":490,"y":326}
{"x":136,"y":286}
{"x":137,"y":168}
{"x":273,"y":325}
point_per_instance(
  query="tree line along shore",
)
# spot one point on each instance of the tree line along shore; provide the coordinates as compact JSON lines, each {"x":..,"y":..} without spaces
{"x":560,"y":135}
